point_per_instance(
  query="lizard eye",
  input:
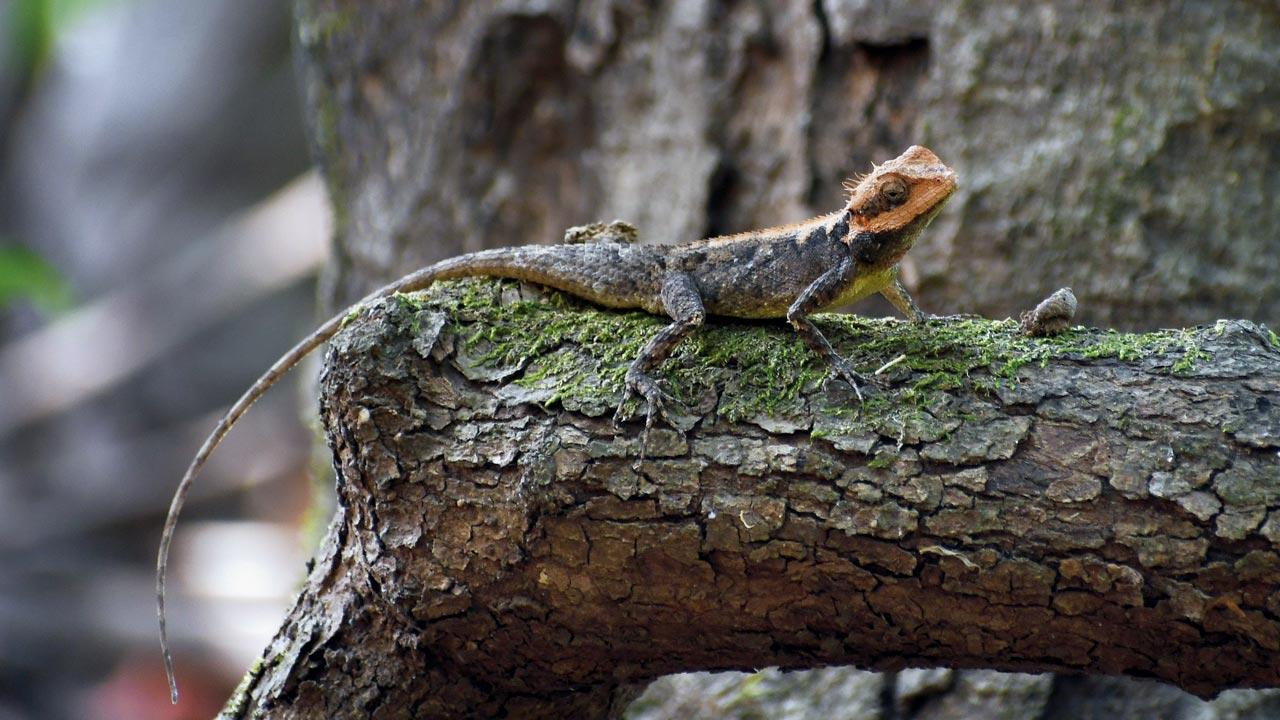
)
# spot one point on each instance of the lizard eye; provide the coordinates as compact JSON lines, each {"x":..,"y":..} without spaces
{"x":894,"y":191}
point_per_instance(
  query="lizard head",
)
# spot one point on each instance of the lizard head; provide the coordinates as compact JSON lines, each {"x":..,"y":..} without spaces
{"x":903,"y":194}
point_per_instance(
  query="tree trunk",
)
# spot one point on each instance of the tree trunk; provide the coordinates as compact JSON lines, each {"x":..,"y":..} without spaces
{"x":1091,"y":503}
{"x":1122,"y":150}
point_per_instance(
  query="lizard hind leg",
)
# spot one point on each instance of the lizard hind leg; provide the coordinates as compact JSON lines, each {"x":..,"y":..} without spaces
{"x":683,"y":303}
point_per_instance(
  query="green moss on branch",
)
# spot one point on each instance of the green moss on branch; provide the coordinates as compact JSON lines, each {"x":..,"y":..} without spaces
{"x":759,"y":369}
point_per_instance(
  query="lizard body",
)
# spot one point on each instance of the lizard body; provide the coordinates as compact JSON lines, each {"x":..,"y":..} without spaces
{"x":783,"y":272}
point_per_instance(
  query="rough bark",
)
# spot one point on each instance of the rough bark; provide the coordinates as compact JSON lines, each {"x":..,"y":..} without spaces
{"x":1124,"y":150}
{"x":1094,"y":503}
{"x":1120,"y":149}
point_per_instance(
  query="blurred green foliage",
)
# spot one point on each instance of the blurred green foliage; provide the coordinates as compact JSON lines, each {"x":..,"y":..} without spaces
{"x":24,"y":275}
{"x":34,"y":25}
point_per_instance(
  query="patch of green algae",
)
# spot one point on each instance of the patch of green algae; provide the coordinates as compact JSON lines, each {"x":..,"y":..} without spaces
{"x":1275,"y":339}
{"x":238,"y":702}
{"x":773,"y":367}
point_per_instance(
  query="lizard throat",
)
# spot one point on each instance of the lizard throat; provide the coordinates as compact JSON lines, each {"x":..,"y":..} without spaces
{"x":885,"y":248}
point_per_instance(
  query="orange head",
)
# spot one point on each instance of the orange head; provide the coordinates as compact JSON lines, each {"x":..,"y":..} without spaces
{"x":904,"y":192}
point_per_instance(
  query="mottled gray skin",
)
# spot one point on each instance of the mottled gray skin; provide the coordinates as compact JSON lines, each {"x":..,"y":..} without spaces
{"x":788,"y":271}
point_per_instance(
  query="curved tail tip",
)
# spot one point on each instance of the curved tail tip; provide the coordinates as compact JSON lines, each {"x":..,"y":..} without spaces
{"x":169,"y":676}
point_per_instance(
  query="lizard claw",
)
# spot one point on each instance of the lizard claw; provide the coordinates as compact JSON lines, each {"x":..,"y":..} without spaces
{"x":638,"y":383}
{"x":842,"y":370}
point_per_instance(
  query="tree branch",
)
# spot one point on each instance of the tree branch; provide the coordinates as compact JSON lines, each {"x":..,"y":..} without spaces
{"x":1090,"y":503}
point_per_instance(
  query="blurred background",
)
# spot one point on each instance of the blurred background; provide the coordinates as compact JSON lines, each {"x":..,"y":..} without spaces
{"x":160,"y":234}
{"x":163,"y":238}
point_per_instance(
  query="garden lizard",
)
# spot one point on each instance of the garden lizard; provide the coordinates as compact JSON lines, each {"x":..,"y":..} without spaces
{"x":782,"y":272}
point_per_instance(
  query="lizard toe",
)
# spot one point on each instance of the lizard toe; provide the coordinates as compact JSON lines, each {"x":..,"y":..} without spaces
{"x":842,"y":370}
{"x":655,"y":400}
{"x":618,"y":415}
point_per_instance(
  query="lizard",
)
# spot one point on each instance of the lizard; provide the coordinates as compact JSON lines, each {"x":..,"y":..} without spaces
{"x":786,"y":272}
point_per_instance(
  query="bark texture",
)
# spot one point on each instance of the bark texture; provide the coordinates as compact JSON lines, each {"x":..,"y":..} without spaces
{"x":1095,"y":503}
{"x":1129,"y":151}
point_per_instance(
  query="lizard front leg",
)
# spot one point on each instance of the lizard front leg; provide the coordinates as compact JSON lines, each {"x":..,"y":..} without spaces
{"x":821,"y":293}
{"x":683,"y":303}
{"x":898,"y":296}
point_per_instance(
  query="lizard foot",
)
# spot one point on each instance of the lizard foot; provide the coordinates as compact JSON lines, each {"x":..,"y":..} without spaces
{"x":842,"y":370}
{"x":638,"y":383}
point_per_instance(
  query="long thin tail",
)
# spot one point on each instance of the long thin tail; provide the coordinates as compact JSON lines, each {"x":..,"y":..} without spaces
{"x":505,"y":262}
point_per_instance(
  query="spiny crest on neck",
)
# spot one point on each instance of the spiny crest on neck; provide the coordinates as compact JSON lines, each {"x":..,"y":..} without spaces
{"x":899,"y":192}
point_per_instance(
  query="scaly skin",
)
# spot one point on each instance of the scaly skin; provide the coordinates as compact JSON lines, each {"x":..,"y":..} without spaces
{"x":783,"y":272}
